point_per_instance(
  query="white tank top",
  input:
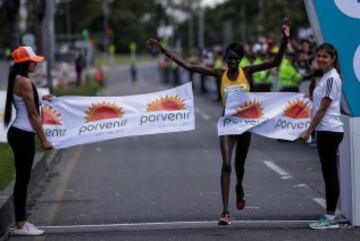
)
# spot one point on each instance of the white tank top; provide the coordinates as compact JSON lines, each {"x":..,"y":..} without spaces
{"x":22,"y":120}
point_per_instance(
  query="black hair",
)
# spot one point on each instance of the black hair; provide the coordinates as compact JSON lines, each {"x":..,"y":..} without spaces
{"x":238,"y":48}
{"x":17,"y":69}
{"x":330,"y":49}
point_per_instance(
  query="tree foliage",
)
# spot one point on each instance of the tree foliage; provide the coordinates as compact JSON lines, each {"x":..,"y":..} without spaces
{"x":137,"y":20}
{"x":250,"y":19}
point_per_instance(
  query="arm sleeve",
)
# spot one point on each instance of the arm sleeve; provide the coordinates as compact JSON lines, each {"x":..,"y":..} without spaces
{"x":333,"y":88}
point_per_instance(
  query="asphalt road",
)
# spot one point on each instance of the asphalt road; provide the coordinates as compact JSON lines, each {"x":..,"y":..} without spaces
{"x":166,"y":187}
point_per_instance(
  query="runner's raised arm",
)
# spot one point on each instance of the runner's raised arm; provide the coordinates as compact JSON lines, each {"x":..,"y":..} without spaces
{"x":154,"y":44}
{"x":275,"y":62}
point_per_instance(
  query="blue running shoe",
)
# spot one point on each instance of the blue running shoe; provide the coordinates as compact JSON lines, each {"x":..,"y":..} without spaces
{"x":325,"y":222}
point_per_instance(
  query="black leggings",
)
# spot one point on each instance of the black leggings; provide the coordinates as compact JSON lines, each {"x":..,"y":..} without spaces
{"x":327,"y":144}
{"x":23,"y":146}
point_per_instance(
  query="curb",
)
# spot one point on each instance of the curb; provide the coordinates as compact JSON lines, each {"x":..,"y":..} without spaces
{"x":40,"y":167}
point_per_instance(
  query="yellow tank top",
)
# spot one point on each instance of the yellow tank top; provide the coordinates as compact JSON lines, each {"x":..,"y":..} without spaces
{"x":241,"y":85}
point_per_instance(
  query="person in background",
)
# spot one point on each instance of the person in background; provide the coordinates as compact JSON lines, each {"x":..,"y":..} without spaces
{"x":207,"y":60}
{"x":262,"y":79}
{"x":289,"y":77}
{"x":79,"y":66}
{"x":218,"y":64}
{"x":326,"y":121}
{"x":23,"y":95}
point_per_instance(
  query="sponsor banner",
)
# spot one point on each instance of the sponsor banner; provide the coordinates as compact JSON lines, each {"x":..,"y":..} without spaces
{"x":70,"y":121}
{"x":341,"y":30}
{"x":275,"y":115}
{"x":3,"y":130}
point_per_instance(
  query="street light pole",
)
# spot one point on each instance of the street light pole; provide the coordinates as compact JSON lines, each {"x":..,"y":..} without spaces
{"x":191,"y":29}
{"x":49,"y":40}
{"x":106,"y":11}
{"x":201,"y":27}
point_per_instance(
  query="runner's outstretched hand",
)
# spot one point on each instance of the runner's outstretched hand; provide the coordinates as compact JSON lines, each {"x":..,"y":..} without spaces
{"x":154,"y":44}
{"x":286,"y":28}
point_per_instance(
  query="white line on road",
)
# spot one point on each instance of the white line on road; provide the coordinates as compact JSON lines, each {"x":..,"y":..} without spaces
{"x":202,"y":113}
{"x":171,"y":226}
{"x":283,"y":174}
{"x":320,"y":201}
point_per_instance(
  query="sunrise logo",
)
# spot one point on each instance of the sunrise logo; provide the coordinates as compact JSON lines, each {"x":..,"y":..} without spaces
{"x":297,"y":109}
{"x":102,"y":111}
{"x":250,"y":110}
{"x":167,"y":103}
{"x":49,"y":116}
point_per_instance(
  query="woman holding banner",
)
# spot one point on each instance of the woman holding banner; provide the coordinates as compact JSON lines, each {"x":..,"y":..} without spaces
{"x":232,"y":78}
{"x":23,"y":95}
{"x":329,"y":129}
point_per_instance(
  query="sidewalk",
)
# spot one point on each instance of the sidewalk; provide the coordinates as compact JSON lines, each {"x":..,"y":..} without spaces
{"x":42,"y":163}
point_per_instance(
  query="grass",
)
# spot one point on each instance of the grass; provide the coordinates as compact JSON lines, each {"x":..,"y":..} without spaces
{"x":6,"y":165}
{"x":7,"y":168}
{"x":88,"y":89}
{"x":121,"y":59}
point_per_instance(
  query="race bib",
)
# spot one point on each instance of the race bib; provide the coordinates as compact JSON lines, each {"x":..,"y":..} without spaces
{"x":234,"y":89}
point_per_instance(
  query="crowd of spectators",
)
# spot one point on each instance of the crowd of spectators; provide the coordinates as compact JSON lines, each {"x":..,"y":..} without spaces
{"x":297,"y":71}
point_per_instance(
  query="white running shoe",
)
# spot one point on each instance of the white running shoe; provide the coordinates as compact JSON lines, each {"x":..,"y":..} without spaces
{"x":28,"y":229}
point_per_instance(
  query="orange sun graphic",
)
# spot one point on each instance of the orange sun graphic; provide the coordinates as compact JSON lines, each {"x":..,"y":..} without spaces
{"x":250,"y":109}
{"x":49,"y":116}
{"x":297,"y":109}
{"x":168,"y":103}
{"x":102,"y":111}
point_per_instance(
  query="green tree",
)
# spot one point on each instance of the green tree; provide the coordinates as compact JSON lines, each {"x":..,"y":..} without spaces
{"x":9,"y":34}
{"x":249,"y":20}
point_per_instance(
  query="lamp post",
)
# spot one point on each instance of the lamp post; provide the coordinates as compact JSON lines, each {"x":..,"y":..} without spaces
{"x":49,"y":40}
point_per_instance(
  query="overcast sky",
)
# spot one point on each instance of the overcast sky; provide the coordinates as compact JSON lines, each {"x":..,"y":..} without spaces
{"x":210,"y":3}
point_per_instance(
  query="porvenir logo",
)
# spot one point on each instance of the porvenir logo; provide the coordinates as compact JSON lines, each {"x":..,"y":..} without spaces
{"x":297,"y":109}
{"x":250,"y":109}
{"x":102,"y":111}
{"x":49,"y":116}
{"x":167,"y":103}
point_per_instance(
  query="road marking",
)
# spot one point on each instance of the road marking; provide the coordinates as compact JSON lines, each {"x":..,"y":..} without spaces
{"x":320,"y":201}
{"x":252,"y":207}
{"x":202,"y":113}
{"x":172,"y":226}
{"x":283,"y":174}
{"x":61,"y":186}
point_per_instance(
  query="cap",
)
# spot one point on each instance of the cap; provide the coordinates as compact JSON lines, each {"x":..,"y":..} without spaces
{"x":23,"y":54}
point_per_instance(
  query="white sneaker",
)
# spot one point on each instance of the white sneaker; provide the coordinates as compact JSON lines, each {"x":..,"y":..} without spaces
{"x":28,"y":229}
